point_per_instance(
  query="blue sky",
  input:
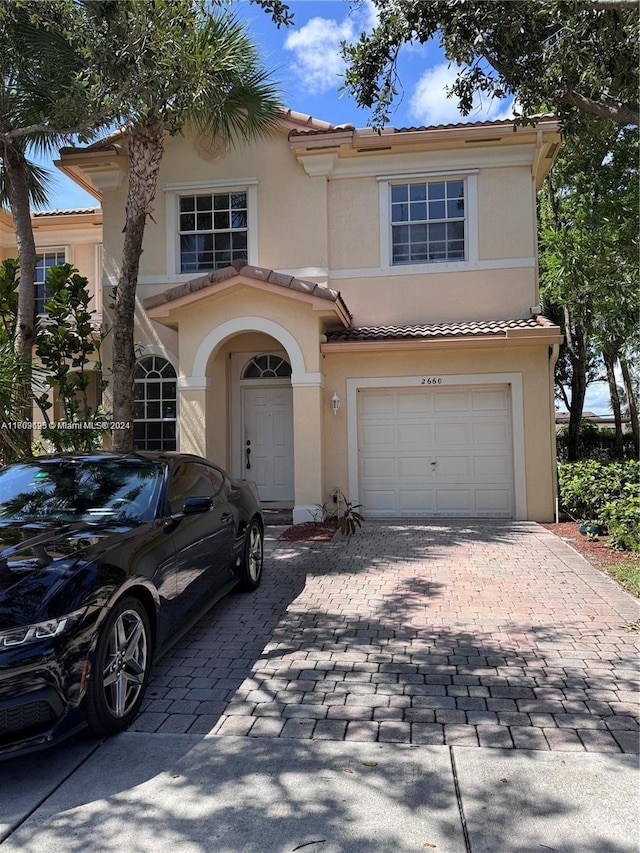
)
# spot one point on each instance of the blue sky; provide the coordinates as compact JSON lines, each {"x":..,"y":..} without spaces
{"x":306,"y":62}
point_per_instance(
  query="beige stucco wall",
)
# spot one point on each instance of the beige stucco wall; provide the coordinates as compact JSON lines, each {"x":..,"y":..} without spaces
{"x":531,"y":362}
{"x":506,"y":213}
{"x":82,"y":247}
{"x":432,"y":297}
{"x":200,"y":318}
{"x":292,"y":206}
{"x":354,"y":223}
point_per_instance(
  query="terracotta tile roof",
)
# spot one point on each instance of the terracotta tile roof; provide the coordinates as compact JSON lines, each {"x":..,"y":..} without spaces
{"x":506,"y":122}
{"x":491,"y":328}
{"x":509,"y":122}
{"x":71,"y":211}
{"x":314,"y":125}
{"x":310,"y":288}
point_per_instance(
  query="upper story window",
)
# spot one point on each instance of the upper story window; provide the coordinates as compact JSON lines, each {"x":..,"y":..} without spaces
{"x":44,"y":260}
{"x":213,"y":230}
{"x":427,"y":222}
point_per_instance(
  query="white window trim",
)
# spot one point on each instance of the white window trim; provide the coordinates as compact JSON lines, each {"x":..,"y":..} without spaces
{"x":385,"y":182}
{"x":43,"y":250}
{"x":513,"y":380}
{"x":162,"y":352}
{"x":172,"y":197}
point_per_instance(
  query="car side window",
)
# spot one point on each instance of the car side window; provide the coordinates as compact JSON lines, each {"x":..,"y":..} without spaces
{"x":217,"y":478}
{"x":189,"y":479}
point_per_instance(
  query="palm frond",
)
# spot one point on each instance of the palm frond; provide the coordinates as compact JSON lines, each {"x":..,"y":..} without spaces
{"x":39,"y":183}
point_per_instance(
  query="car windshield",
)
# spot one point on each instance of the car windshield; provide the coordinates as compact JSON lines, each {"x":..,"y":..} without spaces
{"x":122,"y":491}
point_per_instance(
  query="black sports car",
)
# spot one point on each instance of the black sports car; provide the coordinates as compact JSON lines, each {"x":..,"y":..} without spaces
{"x":105,"y":560}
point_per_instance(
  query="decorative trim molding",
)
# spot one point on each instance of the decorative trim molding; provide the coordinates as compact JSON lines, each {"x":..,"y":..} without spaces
{"x":433,"y":268}
{"x":249,"y":324}
{"x":307,"y":380}
{"x":194,"y":383}
{"x":210,"y":184}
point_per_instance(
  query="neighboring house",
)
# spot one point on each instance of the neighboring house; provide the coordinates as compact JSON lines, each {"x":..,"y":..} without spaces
{"x":607,"y":421}
{"x":63,"y":236}
{"x":335,"y":308}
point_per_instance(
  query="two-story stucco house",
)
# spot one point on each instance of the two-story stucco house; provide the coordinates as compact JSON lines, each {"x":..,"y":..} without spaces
{"x":63,"y":236}
{"x":334,"y":308}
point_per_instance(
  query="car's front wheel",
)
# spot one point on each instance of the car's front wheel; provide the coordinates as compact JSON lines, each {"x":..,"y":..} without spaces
{"x":120,"y":669}
{"x":251,"y":573}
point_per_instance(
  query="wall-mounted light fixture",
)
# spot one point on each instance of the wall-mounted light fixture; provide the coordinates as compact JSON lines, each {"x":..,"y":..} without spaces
{"x":335,"y":403}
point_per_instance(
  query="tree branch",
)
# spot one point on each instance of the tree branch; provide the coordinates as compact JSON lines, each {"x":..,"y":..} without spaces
{"x":621,"y":113}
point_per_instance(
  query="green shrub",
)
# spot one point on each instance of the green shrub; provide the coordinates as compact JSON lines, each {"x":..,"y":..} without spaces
{"x":595,"y":442}
{"x":607,"y":495}
{"x":622,"y":518}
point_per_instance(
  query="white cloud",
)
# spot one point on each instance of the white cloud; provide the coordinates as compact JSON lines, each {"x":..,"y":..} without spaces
{"x":316,"y":47}
{"x":430,"y":105}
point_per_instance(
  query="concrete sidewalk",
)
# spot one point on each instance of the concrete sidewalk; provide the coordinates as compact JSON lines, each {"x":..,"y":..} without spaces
{"x":186,"y":794}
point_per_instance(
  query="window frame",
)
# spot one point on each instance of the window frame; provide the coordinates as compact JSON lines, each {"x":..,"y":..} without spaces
{"x":469,"y":179}
{"x":42,"y":251}
{"x":174,"y":192}
{"x":161,"y":399}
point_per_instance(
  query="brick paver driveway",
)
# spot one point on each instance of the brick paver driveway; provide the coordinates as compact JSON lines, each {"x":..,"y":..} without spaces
{"x":478,"y":633}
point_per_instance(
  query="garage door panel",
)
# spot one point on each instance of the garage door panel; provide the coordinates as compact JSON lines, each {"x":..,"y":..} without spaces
{"x":450,"y":401}
{"x":420,"y":434}
{"x":412,"y":500}
{"x":451,"y":434}
{"x":378,"y":435}
{"x":378,"y":501}
{"x":413,"y":404}
{"x":454,"y":500}
{"x":413,"y":467}
{"x":378,"y":468}
{"x":482,"y":401}
{"x":458,"y":467}
{"x":466,"y":432}
{"x":377,"y":404}
{"x":494,"y":468}
{"x":490,"y":432}
{"x":494,"y":501}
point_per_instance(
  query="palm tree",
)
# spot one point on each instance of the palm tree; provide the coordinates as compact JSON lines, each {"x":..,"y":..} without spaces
{"x":40,"y":92}
{"x":174,"y":67}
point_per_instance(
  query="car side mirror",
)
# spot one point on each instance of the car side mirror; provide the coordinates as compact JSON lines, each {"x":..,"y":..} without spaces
{"x":196,"y":504}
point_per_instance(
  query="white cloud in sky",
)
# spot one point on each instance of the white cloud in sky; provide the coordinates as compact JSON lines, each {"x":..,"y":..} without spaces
{"x":430,"y":105}
{"x":316,"y":47}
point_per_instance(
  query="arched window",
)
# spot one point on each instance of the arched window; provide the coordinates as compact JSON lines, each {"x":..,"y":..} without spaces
{"x":154,"y":408}
{"x":266,"y":367}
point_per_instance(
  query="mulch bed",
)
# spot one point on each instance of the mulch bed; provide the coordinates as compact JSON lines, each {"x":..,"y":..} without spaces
{"x":596,"y":551}
{"x":310,"y":531}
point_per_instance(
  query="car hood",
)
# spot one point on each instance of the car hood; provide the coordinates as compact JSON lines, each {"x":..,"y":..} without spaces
{"x":37,"y":559}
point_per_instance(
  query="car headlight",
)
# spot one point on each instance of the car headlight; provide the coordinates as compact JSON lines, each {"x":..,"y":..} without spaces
{"x":40,"y":630}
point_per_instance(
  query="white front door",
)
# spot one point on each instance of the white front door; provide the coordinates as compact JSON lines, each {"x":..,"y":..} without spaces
{"x":267,"y":445}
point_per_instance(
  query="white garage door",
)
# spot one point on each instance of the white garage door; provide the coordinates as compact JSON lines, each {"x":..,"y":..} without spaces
{"x":436,"y":452}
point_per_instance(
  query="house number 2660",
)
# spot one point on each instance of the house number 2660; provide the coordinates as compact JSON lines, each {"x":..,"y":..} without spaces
{"x":432,"y":380}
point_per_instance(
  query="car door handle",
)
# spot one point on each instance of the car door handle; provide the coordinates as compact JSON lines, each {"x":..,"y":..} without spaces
{"x":226,"y":518}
